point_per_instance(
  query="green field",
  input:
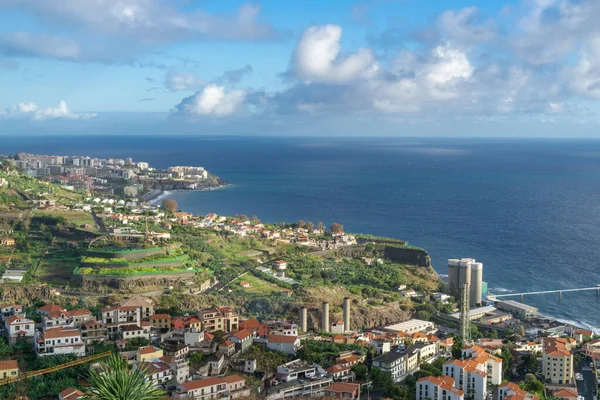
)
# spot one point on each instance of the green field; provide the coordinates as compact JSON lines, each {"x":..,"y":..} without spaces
{"x":58,"y":268}
{"x":76,"y":218}
{"x":259,"y":286}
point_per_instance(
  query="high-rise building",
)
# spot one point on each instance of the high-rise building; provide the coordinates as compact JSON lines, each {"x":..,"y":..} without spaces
{"x":469,"y":271}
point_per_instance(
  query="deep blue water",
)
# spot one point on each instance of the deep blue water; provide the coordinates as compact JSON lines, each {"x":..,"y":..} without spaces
{"x":514,"y":204}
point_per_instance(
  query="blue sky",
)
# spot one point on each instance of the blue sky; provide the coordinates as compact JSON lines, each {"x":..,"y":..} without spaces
{"x":391,"y":67}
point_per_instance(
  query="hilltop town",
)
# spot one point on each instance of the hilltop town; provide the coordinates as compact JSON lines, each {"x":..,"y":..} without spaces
{"x":229,"y":307}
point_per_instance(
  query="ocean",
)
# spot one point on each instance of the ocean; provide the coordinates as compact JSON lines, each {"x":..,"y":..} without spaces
{"x":527,"y":208}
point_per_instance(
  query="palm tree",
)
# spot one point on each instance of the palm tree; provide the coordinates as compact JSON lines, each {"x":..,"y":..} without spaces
{"x":114,"y":380}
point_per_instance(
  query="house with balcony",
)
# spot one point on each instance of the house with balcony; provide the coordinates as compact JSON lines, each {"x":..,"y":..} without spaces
{"x":158,"y":372}
{"x":17,"y":327}
{"x":59,"y":340}
{"x":116,"y":317}
{"x":94,"y":332}
{"x":202,"y":389}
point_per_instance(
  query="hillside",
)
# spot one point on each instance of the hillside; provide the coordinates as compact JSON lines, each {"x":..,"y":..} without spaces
{"x":188,"y":263}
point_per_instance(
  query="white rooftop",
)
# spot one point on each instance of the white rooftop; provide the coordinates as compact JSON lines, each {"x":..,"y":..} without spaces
{"x":413,"y":325}
{"x":476,"y":311}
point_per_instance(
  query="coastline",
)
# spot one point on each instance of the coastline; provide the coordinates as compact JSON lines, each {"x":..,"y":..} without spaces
{"x":156,"y":195}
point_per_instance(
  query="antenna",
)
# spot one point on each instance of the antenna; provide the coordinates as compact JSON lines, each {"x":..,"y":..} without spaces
{"x":465,"y":321}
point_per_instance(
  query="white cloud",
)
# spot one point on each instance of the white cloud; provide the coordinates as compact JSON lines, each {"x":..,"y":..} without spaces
{"x":183,"y":81}
{"x":40,"y":45}
{"x":147,"y":20}
{"x":317,"y":57}
{"x":29,"y":110}
{"x":465,"y":26}
{"x":213,"y":100}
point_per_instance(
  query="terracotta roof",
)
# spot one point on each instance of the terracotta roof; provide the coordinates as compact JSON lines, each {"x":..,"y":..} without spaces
{"x":55,"y":333}
{"x":444,"y":382}
{"x":8,"y":364}
{"x":339,"y":322}
{"x":92,"y":323}
{"x":243,"y":334}
{"x":233,"y":378}
{"x":70,"y":394}
{"x":282,"y":339}
{"x":250,"y":323}
{"x":565,"y":393}
{"x":78,"y":312}
{"x":349,"y":359}
{"x":153,"y":367}
{"x":14,"y":318}
{"x":50,"y":307}
{"x":340,"y":387}
{"x":202,"y":383}
{"x":130,"y":328}
{"x":228,"y":343}
{"x":148,"y":350}
{"x":337,"y":368}
{"x":557,"y":347}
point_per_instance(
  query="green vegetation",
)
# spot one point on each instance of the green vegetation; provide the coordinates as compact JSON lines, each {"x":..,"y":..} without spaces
{"x":323,"y":353}
{"x":114,"y":380}
{"x":132,"y":271}
{"x":51,"y":384}
{"x":259,"y":286}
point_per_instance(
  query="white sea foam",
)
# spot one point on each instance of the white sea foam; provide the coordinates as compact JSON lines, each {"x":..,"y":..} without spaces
{"x":500,"y":290}
{"x":580,"y":324}
{"x":163,"y":195}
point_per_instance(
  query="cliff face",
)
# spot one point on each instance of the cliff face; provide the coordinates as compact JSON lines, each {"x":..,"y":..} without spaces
{"x":407,"y":256}
{"x":170,"y":184}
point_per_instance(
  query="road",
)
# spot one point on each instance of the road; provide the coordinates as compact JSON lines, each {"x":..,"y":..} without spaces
{"x":99,"y":223}
{"x":586,"y":386}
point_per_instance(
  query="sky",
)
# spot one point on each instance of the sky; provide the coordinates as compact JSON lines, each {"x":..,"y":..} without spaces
{"x":300,"y":67}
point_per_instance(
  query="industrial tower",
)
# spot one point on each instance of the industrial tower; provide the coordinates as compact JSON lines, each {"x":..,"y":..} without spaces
{"x":465,"y":321}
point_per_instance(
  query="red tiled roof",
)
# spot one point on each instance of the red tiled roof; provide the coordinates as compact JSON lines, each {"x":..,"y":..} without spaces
{"x":8,"y":364}
{"x":55,"y":333}
{"x":337,"y":368}
{"x":160,"y":316}
{"x":243,"y":334}
{"x":148,"y":350}
{"x":282,"y":339}
{"x":202,"y":383}
{"x":340,"y":387}
{"x":233,"y":378}
{"x":70,"y":394}
{"x":50,"y":307}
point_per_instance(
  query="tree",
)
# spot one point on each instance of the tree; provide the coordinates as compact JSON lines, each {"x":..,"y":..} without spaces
{"x":169,"y":205}
{"x":360,"y":371}
{"x":506,"y":357}
{"x":320,"y":226}
{"x":457,"y":347}
{"x":522,"y":331}
{"x":309,"y":226}
{"x":336,"y":227}
{"x":301,"y":223}
{"x":423,"y":315}
{"x":255,"y":219}
{"x":196,"y":360}
{"x":381,"y":379}
{"x":114,"y":380}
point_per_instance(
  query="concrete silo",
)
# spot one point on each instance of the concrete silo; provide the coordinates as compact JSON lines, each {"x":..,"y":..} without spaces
{"x":325,"y":317}
{"x":476,"y":288}
{"x":453,"y":288}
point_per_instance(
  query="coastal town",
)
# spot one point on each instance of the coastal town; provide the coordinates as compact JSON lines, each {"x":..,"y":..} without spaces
{"x":230,"y":307}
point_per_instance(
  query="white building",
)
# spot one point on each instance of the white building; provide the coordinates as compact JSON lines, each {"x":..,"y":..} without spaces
{"x":438,"y":388}
{"x":393,"y":362}
{"x":17,"y":326}
{"x":114,"y":317}
{"x":337,"y":326}
{"x":468,"y":377}
{"x":411,"y":326}
{"x":489,"y":363}
{"x":284,"y":344}
{"x":59,"y":340}
{"x":157,"y":371}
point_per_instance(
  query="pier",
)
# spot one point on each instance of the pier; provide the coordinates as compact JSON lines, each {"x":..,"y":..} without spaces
{"x":559,"y":291}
